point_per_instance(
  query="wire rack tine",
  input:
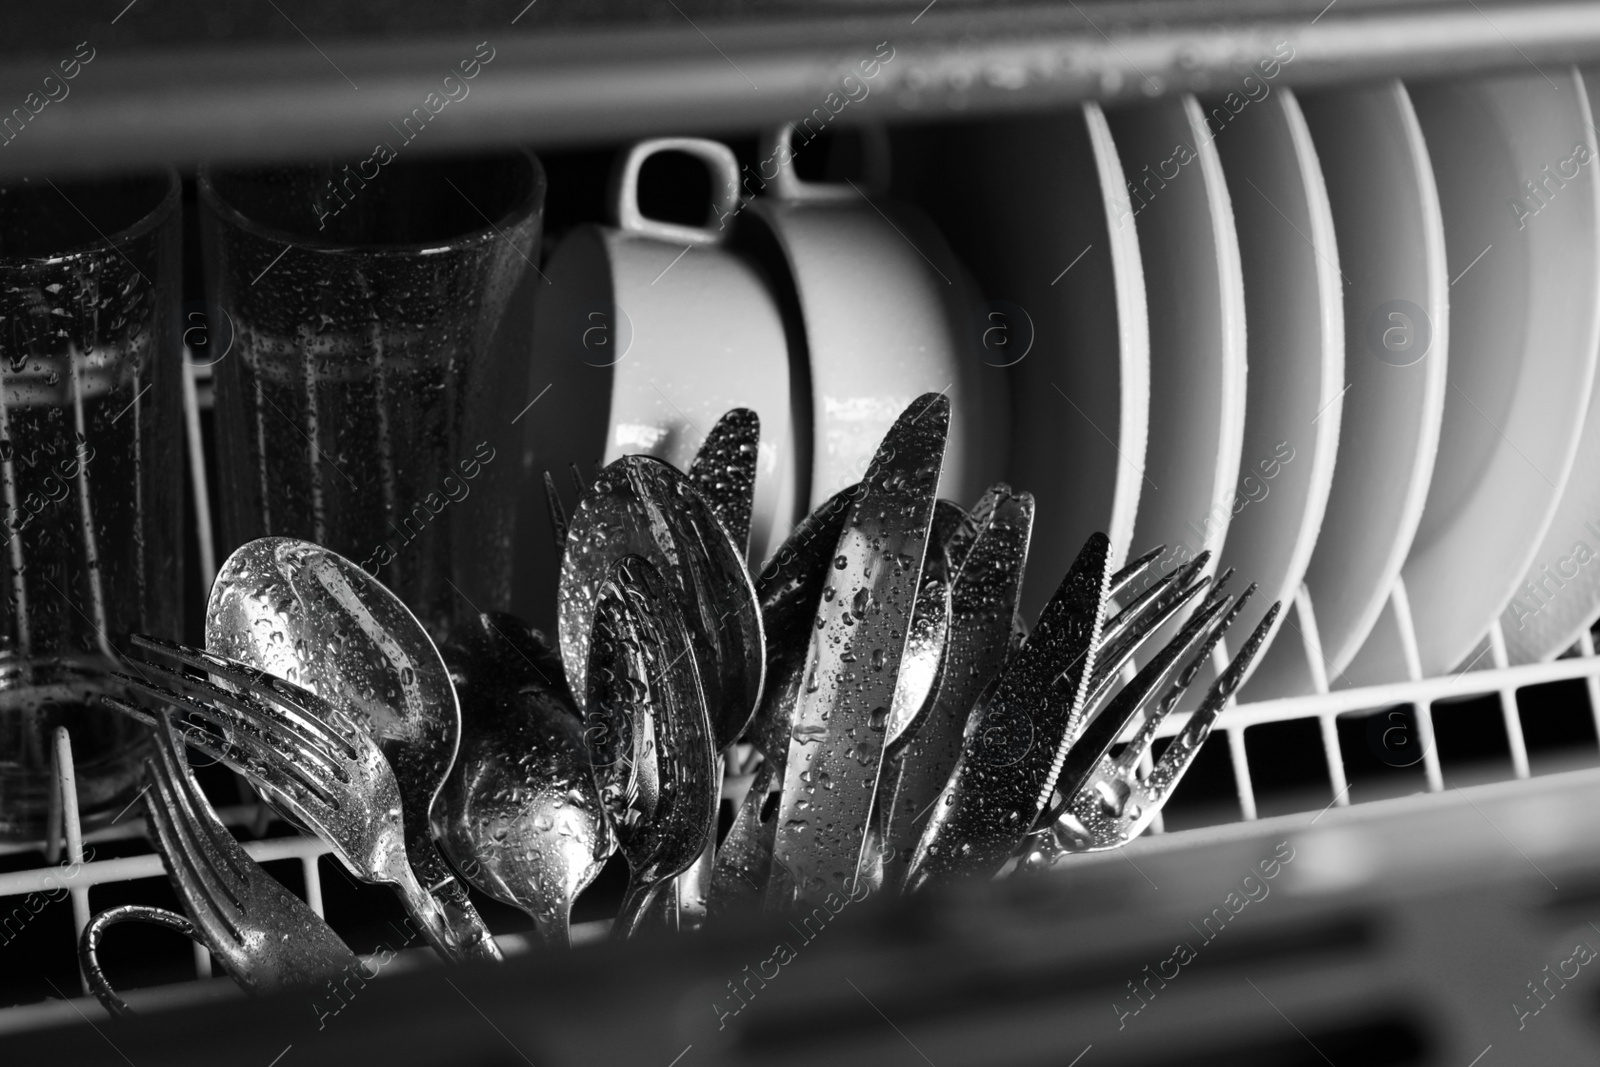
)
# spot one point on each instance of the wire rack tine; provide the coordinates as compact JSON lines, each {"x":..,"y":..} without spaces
{"x":1510,"y":711}
{"x":1590,"y":681}
{"x":1311,"y":641}
{"x":1400,"y":604}
{"x":67,"y":777}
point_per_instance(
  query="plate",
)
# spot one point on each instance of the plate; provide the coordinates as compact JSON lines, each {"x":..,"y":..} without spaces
{"x":1067,"y":285}
{"x":1194,"y":286}
{"x":1295,"y":320}
{"x":1522,"y":351}
{"x":1559,"y":596}
{"x":1396,"y":307}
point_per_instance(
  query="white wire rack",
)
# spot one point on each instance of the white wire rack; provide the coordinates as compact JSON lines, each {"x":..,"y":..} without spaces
{"x":78,"y":873}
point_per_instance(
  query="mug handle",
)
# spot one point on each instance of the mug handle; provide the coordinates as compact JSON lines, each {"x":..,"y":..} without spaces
{"x":89,"y":947}
{"x":724,"y":168}
{"x":778,"y":151}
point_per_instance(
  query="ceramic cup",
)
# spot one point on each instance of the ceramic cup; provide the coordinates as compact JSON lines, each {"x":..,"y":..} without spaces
{"x":888,"y":314}
{"x":648,"y":332}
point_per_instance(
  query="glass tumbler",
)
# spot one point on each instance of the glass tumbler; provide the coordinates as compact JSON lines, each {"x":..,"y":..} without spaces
{"x":90,"y":474}
{"x":381,"y":319}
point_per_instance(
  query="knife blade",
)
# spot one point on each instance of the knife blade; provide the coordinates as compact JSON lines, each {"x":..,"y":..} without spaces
{"x":853,"y":663}
{"x":1019,"y":735}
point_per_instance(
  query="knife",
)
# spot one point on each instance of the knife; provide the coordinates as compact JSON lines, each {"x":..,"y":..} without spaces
{"x":1019,"y":735}
{"x":853,"y":663}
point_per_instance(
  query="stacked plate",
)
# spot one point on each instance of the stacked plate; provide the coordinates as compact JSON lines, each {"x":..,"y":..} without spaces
{"x":1344,"y":340}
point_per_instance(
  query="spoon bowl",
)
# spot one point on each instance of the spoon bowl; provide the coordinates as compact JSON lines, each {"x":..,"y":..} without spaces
{"x":311,"y":617}
{"x":520,"y":816}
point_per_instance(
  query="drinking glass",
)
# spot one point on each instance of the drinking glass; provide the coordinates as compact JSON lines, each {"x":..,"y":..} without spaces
{"x":381,"y":319}
{"x":90,"y":474}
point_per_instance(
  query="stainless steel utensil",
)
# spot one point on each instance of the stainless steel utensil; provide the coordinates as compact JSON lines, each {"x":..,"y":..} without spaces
{"x":929,"y":628}
{"x":983,"y":601}
{"x":853,"y":662}
{"x":649,"y":733}
{"x":306,"y":756}
{"x":265,"y":937}
{"x":973,"y":826}
{"x":312,"y":617}
{"x":1108,"y":803}
{"x":1020,"y":731}
{"x":724,"y":470}
{"x":645,"y":507}
{"x":520,"y":815}
{"x":789,"y":589}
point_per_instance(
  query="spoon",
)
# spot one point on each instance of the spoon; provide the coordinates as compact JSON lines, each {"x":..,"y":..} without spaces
{"x":312,"y":617}
{"x":984,"y":590}
{"x":645,"y":507}
{"x":519,"y":816}
{"x":649,"y":734}
{"x":724,"y":470}
{"x":930,"y":628}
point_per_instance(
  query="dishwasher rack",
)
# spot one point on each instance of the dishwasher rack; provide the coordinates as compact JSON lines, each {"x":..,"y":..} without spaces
{"x":1487,"y":676}
{"x":578,"y":83}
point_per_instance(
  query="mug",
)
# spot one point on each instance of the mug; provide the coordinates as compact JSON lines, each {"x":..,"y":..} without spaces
{"x":648,"y":333}
{"x":888,"y":313}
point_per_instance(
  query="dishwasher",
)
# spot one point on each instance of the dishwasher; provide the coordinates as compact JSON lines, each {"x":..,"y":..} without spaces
{"x":1204,"y":389}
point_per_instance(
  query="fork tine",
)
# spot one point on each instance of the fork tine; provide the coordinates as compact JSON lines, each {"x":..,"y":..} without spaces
{"x":1203,"y":657}
{"x":558,"y":514}
{"x":1181,"y":753}
{"x":1117,"y":655}
{"x":1130,"y":617}
{"x":229,"y":711}
{"x":303,"y":705}
{"x":1222,"y":579}
{"x":1134,"y":698}
{"x":1135,"y":570}
{"x":209,"y":901}
{"x":269,"y":771}
{"x":198,"y":813}
{"x":1140,"y":743}
{"x":270,"y":759}
{"x":577,"y":480}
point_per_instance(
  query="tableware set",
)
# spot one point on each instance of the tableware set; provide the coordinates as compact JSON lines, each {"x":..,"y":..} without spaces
{"x":787,"y":572}
{"x":320,"y":688}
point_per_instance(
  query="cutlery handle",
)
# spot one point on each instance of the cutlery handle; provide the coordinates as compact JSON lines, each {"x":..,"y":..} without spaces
{"x":636,"y":903}
{"x":435,"y":898}
{"x":89,"y":947}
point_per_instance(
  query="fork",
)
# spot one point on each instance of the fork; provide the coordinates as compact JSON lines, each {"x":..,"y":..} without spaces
{"x":1031,"y":716}
{"x":306,"y":756}
{"x":266,"y":937}
{"x":1108,"y":803}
